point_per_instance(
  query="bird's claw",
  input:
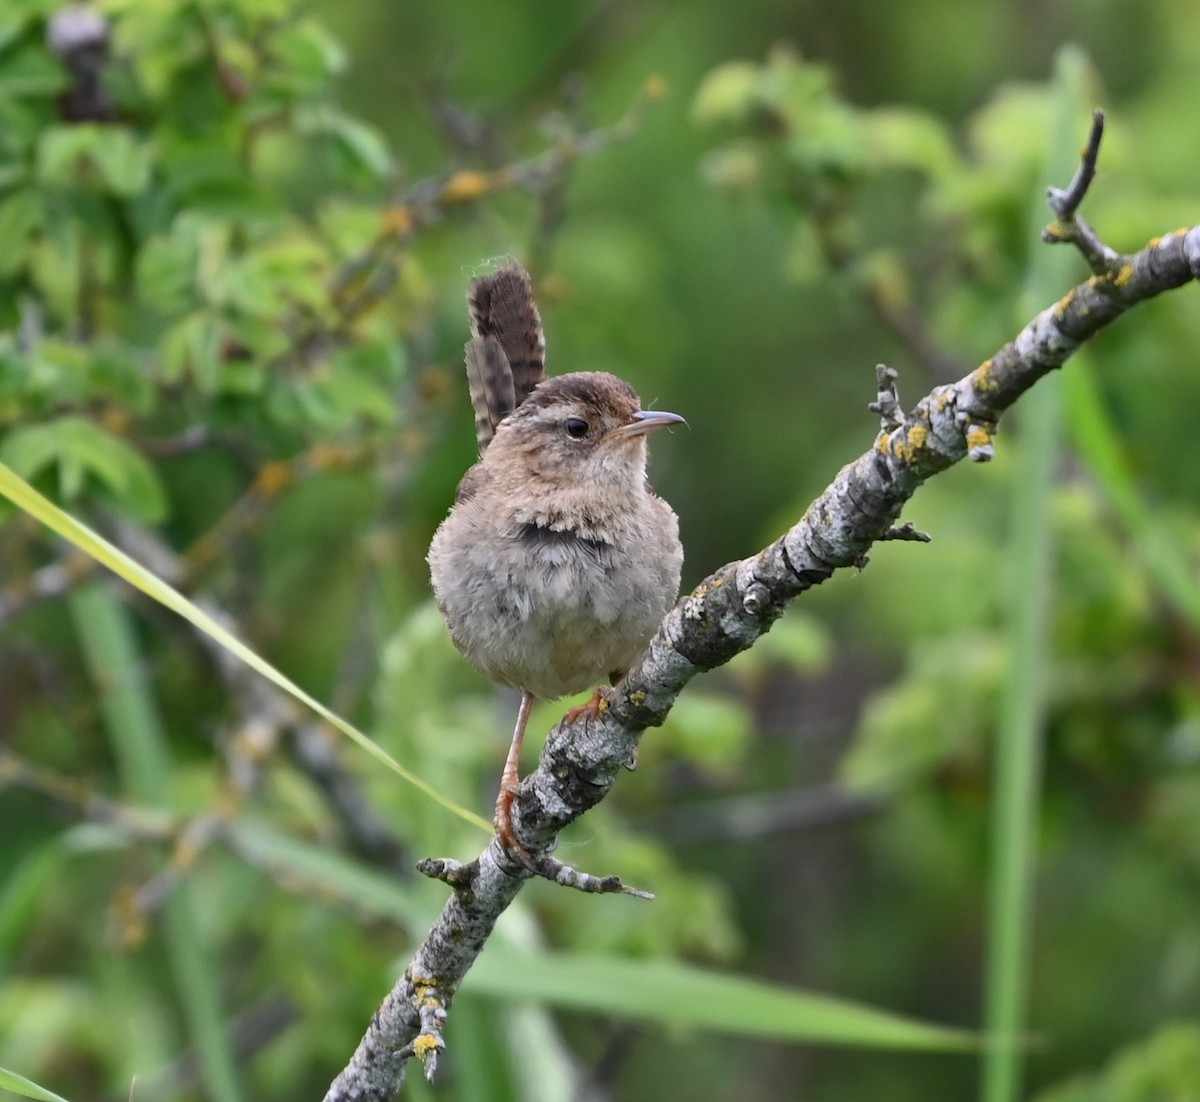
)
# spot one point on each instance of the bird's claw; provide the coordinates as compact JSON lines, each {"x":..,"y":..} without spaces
{"x":592,"y":709}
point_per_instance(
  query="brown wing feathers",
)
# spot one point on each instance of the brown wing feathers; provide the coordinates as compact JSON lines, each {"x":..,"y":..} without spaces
{"x":506,"y":356}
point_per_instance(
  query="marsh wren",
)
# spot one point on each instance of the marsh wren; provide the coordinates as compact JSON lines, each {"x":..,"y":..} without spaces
{"x":557,"y":561}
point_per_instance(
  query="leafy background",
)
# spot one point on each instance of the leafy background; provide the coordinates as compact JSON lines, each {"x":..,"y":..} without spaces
{"x":231,"y":321}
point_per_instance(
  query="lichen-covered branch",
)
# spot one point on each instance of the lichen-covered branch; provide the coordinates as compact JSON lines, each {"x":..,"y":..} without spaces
{"x":734,"y":606}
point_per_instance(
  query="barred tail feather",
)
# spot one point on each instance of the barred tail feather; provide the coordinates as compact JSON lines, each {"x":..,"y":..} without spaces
{"x":490,"y":382}
{"x":502,"y":306}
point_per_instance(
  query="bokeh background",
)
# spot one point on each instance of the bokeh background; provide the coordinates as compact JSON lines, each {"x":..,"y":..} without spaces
{"x":232,"y":270}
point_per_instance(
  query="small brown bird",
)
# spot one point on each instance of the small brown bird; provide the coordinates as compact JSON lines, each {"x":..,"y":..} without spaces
{"x":557,"y":562}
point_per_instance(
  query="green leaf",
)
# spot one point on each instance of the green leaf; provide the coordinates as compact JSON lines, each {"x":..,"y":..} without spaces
{"x":31,"y":71}
{"x":362,"y":144}
{"x":727,"y":95}
{"x":338,"y":396}
{"x":680,"y":994}
{"x":307,"y":56}
{"x":27,"y":1088}
{"x":192,"y":347}
{"x":1162,"y":1068}
{"x":799,"y":640}
{"x":106,"y":157}
{"x":20,"y":214}
{"x":81,"y":448}
{"x":166,"y":271}
{"x":910,"y":139}
{"x":710,"y":729}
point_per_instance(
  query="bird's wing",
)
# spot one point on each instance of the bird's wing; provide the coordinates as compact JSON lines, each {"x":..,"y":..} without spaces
{"x":475,"y":480}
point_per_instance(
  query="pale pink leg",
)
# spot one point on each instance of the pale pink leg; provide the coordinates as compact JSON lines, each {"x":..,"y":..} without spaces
{"x":510,"y":779}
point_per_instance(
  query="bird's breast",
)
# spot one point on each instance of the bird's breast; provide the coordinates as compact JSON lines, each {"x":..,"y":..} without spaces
{"x":549,"y":610}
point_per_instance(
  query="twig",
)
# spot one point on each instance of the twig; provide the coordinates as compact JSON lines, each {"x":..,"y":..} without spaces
{"x":78,"y":798}
{"x":742,"y":817}
{"x":1068,"y":228}
{"x":272,"y":479}
{"x":733,"y":607}
{"x":428,"y":201}
{"x":53,"y":580}
{"x":1065,"y":202}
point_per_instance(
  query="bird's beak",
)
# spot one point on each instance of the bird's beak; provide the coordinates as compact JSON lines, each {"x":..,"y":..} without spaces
{"x":646,"y":420}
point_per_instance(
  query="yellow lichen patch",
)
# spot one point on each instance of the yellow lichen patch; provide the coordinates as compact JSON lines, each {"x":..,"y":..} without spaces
{"x":426,"y":991}
{"x":329,"y":456}
{"x":128,"y":918}
{"x":655,"y":87}
{"x":272,"y":477}
{"x":1155,"y":242}
{"x":425,"y":1044}
{"x":187,"y":850}
{"x":1124,"y":275}
{"x":1064,"y":303}
{"x":883,"y":444}
{"x":978,"y":437}
{"x":398,"y":220}
{"x":466,"y":185}
{"x":983,"y":379}
{"x":638,"y":697}
{"x":899,"y":447}
{"x":1057,"y":230}
{"x":917,"y":436}
{"x":117,"y":420}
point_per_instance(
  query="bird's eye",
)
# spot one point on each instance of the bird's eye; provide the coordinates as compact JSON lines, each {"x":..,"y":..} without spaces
{"x":576,"y":428}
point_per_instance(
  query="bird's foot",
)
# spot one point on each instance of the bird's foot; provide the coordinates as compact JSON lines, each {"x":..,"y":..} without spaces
{"x":503,"y":824}
{"x":543,"y":864}
{"x":593,"y":708}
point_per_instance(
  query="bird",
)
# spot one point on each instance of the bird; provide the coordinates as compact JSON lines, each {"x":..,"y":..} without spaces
{"x":557,"y":561}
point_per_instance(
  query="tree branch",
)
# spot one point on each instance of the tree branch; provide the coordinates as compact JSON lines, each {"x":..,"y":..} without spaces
{"x":733,"y":607}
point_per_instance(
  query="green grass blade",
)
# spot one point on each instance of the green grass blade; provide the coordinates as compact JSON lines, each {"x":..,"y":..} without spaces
{"x":25,"y":497}
{"x":680,"y":994}
{"x":135,"y":730}
{"x":26,"y":1088}
{"x":334,"y":872}
{"x":658,"y":991}
{"x":1030,"y":554}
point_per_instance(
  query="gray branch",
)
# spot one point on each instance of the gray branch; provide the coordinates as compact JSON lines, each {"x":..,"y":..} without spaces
{"x":732,"y":608}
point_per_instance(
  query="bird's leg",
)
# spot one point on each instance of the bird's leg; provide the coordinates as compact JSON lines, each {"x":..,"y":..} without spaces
{"x":510,"y":779}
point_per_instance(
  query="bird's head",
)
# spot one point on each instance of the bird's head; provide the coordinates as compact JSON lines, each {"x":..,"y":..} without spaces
{"x":583,"y":429}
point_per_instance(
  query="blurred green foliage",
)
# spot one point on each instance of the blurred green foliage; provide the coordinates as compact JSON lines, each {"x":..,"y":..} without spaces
{"x":231,"y":316}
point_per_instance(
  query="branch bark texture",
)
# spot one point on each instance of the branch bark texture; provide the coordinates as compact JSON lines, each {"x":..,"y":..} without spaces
{"x":727,"y":612}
